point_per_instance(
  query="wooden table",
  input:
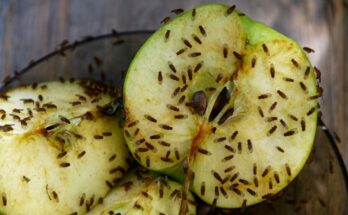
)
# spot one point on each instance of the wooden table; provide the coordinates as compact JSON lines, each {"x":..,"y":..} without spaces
{"x":30,"y":29}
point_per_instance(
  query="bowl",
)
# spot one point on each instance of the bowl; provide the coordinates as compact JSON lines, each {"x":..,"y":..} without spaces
{"x":320,"y":188}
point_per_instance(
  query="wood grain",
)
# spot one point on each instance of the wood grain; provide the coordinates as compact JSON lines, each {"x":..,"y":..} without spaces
{"x":30,"y":29}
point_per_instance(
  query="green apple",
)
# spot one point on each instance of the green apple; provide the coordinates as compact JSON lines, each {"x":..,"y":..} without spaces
{"x":230,"y":98}
{"x":59,"y":154}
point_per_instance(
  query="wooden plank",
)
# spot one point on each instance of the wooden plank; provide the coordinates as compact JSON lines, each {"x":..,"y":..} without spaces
{"x":30,"y":29}
{"x":345,"y":85}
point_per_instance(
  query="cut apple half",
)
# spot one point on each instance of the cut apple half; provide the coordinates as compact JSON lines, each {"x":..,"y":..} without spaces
{"x":230,"y":98}
{"x":59,"y":152}
{"x":142,"y":192}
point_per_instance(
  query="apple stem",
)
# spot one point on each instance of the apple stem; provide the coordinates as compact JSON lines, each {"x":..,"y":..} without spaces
{"x":186,"y":186}
{"x":203,"y":130}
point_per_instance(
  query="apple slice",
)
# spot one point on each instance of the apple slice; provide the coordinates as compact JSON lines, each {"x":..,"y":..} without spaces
{"x":142,"y":192}
{"x":230,"y":98}
{"x":59,"y":153}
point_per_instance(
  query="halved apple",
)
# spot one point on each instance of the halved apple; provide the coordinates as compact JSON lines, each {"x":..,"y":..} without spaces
{"x":229,"y":97}
{"x":143,"y":192}
{"x":59,"y":153}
